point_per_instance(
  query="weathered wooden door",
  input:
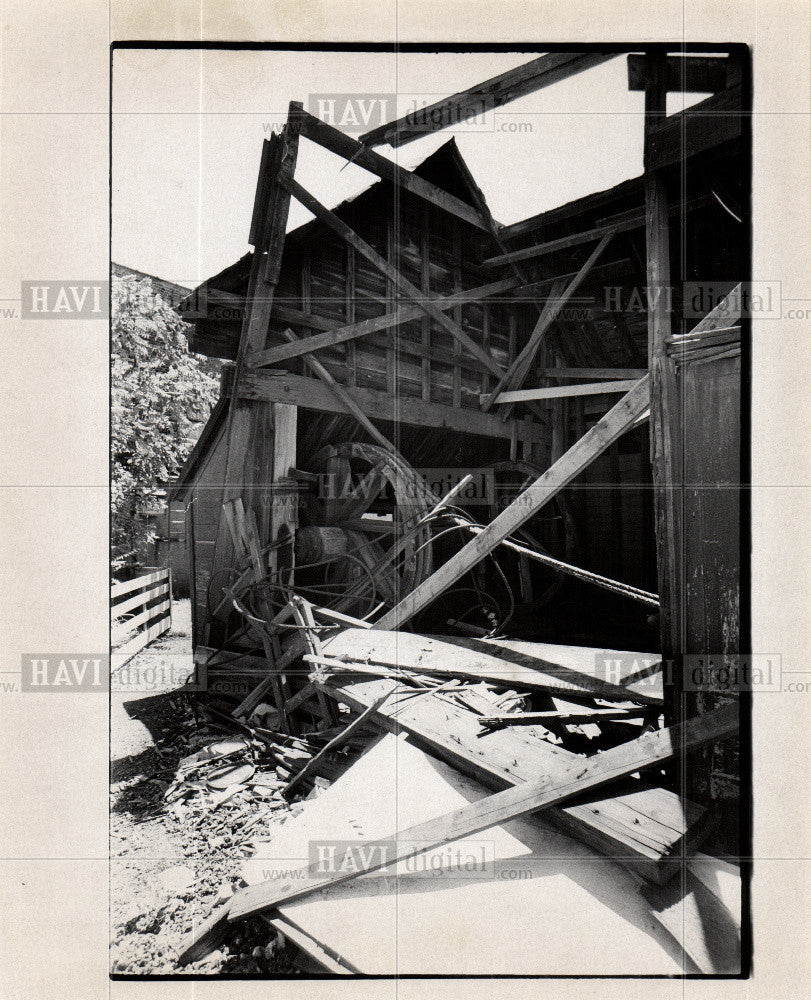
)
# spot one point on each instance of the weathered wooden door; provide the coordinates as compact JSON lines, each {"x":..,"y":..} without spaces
{"x":711,"y":568}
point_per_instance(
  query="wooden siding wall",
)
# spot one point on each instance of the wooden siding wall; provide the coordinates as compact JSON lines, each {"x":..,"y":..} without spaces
{"x":206,"y":497}
{"x":324,"y":277}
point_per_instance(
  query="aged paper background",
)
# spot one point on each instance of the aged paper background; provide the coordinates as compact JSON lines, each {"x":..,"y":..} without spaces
{"x":53,"y":395}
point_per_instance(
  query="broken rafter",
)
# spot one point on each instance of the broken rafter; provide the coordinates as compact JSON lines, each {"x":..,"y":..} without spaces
{"x":355,"y":152}
{"x":647,"y":751}
{"x":492,"y":93}
{"x":593,"y":443}
{"x":410,"y":290}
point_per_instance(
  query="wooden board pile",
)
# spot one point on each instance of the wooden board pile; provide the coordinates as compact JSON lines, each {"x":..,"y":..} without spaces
{"x":539,"y":724}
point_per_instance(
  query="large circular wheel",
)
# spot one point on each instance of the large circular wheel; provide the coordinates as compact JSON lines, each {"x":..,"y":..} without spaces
{"x":363,"y":547}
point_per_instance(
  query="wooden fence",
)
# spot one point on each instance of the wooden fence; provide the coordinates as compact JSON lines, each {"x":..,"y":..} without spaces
{"x":143,"y":604}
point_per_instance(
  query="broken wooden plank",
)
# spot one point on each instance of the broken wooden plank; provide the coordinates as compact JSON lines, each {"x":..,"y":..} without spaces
{"x":407,"y":922}
{"x":337,"y":741}
{"x":593,"y":443}
{"x":341,"y":619}
{"x":351,"y":331}
{"x":637,"y":673}
{"x":568,"y":717}
{"x":486,"y":96}
{"x":623,"y":827}
{"x":300,"y":697}
{"x":468,"y":660}
{"x":625,"y":589}
{"x":408,"y":289}
{"x":646,"y":751}
{"x":204,"y":937}
{"x":564,"y":391}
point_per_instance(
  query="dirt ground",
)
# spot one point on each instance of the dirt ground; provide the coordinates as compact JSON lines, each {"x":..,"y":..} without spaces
{"x":171,"y":861}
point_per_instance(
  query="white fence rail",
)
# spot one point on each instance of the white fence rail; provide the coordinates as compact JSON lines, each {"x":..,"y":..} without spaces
{"x":140,"y":611}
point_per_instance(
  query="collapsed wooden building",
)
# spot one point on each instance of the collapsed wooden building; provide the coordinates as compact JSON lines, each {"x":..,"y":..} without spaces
{"x":453,"y":458}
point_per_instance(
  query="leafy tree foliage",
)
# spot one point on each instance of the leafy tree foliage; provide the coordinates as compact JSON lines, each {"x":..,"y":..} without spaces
{"x":161,"y":394}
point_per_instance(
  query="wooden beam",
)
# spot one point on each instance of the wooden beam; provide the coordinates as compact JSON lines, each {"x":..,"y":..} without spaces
{"x":676,"y":138}
{"x":355,"y":649}
{"x":361,"y":156}
{"x":310,"y":393}
{"x":569,"y":717}
{"x":647,"y":751}
{"x":593,"y":443}
{"x":564,"y":391}
{"x":343,"y":396}
{"x":518,"y":370}
{"x":684,"y":74}
{"x":664,"y":403}
{"x":403,"y":284}
{"x":493,"y":93}
{"x":634,"y":220}
{"x":622,"y":223}
{"x":517,"y":367}
{"x":600,"y":373}
{"x":340,"y":334}
{"x":630,"y":190}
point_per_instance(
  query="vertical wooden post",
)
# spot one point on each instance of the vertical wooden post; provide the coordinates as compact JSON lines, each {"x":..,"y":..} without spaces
{"x":425,"y":287}
{"x":247,"y":420}
{"x":457,"y":313}
{"x":665,"y":411}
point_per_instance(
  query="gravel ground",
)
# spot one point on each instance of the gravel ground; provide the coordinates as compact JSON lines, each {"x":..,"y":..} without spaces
{"x":170,"y":862}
